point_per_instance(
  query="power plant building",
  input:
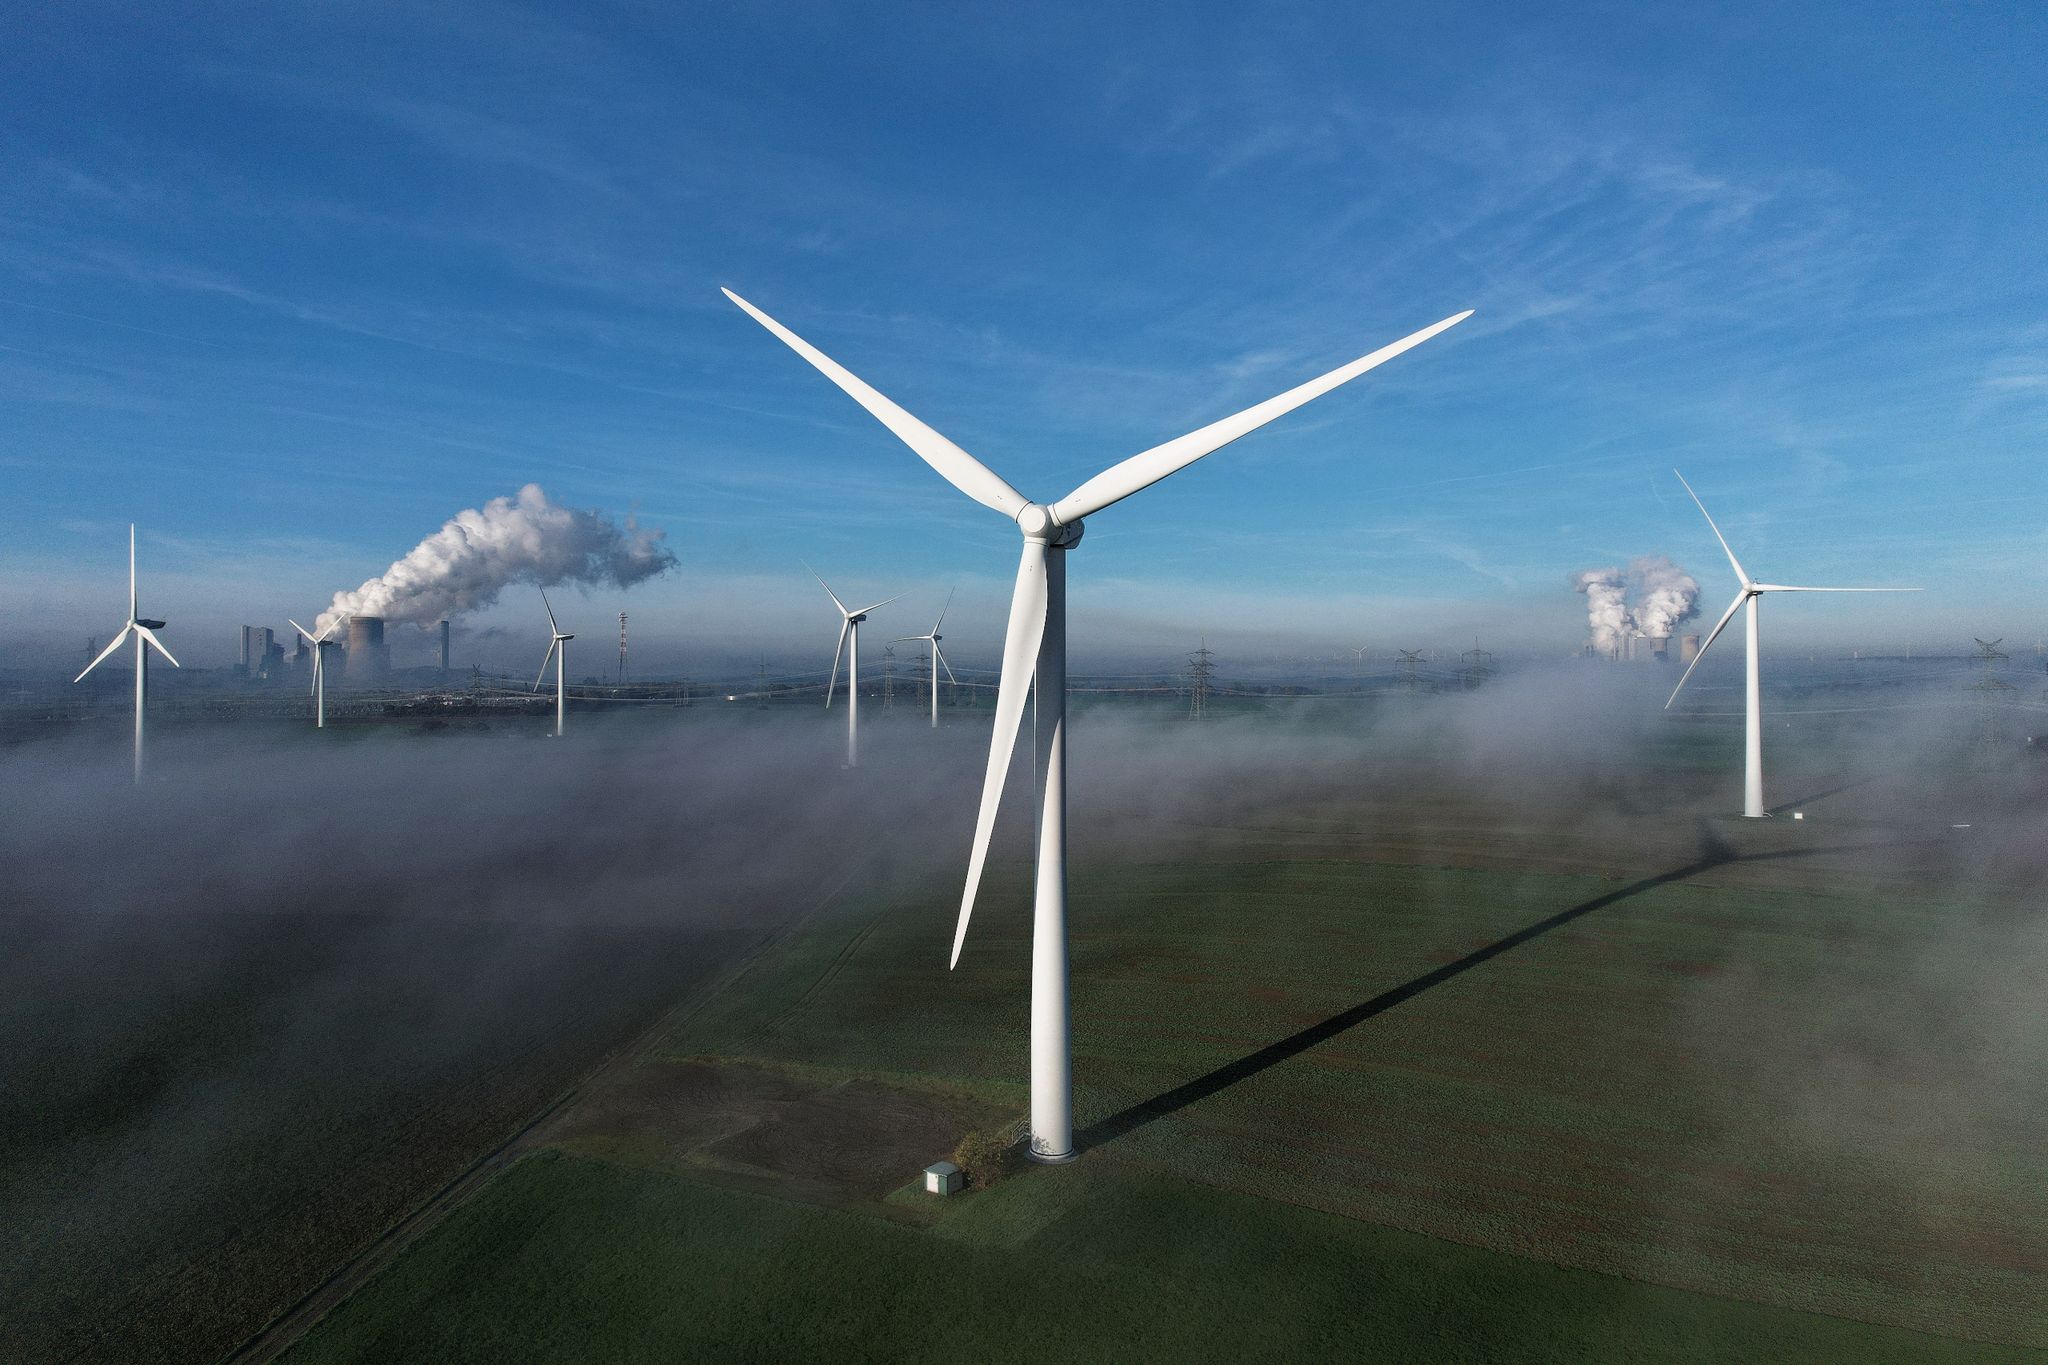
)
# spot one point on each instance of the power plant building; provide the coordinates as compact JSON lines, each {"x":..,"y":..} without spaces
{"x":367,"y":655}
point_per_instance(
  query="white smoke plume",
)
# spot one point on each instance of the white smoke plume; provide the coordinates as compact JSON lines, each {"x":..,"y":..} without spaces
{"x":1607,"y":615}
{"x":1665,"y":594}
{"x":522,"y":539}
{"x":1664,"y":597}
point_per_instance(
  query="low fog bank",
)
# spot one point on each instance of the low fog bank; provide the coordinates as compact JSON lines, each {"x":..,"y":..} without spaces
{"x":260,"y":1006}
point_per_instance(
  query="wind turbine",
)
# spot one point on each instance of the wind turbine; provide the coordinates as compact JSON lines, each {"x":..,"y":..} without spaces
{"x":849,"y":630}
{"x":932,"y":638}
{"x":1753,"y":726}
{"x":1035,"y":659}
{"x":144,"y":632}
{"x":557,"y":651}
{"x":319,"y":644}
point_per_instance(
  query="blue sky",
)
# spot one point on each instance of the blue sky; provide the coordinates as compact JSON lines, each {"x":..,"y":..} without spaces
{"x":292,"y":284}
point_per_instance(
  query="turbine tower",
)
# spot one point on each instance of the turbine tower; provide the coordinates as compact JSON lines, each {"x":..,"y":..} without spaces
{"x":849,"y":632}
{"x":1035,"y":660}
{"x":932,"y":638}
{"x":1753,"y":716}
{"x":319,"y":647}
{"x":559,"y":653}
{"x":145,"y":640}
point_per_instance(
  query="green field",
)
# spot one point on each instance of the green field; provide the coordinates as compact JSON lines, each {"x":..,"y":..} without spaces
{"x":568,"y":1259}
{"x":1615,"y":1109}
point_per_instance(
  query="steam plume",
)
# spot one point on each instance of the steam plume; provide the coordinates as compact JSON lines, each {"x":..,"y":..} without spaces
{"x":1665,"y":596}
{"x":523,"y":539}
{"x":1607,"y":615}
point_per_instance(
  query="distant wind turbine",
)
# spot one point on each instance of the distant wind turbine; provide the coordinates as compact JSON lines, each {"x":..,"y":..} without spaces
{"x":849,"y":633}
{"x":1753,"y":747}
{"x":932,"y":637}
{"x":559,"y":653}
{"x":144,"y":632}
{"x":319,"y":644}
{"x":1035,"y":660}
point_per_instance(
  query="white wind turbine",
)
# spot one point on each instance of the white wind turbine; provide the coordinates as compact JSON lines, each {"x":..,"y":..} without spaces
{"x":849,"y":632}
{"x":558,"y":652}
{"x":319,"y":644}
{"x":1035,"y":659}
{"x":1753,"y":725}
{"x":932,"y":638}
{"x":145,"y":640}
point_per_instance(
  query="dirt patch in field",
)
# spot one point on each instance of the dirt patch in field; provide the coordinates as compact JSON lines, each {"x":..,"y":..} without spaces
{"x":821,"y":1139}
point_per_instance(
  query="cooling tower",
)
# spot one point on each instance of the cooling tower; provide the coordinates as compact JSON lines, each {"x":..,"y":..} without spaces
{"x":1688,"y":648}
{"x":366,"y":654}
{"x":1660,"y":648}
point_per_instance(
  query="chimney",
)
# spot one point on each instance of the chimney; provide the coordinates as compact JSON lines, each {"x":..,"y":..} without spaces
{"x":444,"y":646}
{"x":366,"y":655}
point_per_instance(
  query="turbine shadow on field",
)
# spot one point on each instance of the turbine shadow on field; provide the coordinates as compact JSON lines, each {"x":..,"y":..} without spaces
{"x":1784,"y":806}
{"x":1714,"y":852}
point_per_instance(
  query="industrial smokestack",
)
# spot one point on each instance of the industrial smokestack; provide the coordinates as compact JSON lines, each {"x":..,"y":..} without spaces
{"x":444,"y":644}
{"x":1688,"y":649}
{"x":366,"y":654}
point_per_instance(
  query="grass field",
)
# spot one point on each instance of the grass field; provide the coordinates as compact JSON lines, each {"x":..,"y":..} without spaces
{"x":1578,"y":1087}
{"x":568,"y":1259}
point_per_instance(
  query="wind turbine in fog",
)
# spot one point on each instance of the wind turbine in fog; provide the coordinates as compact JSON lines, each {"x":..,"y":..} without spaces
{"x":319,"y":644}
{"x":145,"y":640}
{"x":1035,"y":659}
{"x":849,"y":632}
{"x":932,"y":638}
{"x":558,"y":652}
{"x":1753,"y":722}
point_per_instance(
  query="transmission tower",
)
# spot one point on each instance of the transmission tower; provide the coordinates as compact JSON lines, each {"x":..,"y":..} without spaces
{"x":622,"y":648}
{"x":1478,"y":665}
{"x":1410,"y":659}
{"x":1990,"y":690}
{"x":761,"y":683}
{"x":888,"y":676}
{"x":919,"y":679}
{"x":1199,"y":669}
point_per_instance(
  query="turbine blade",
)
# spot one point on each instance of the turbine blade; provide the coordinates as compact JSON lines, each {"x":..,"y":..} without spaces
{"x":943,"y":610}
{"x":1740,"y":573}
{"x":545,"y":660}
{"x":1784,"y":587}
{"x":845,"y":625}
{"x":828,"y":590}
{"x":941,"y":653}
{"x":108,"y":651}
{"x":133,"y":610}
{"x":1708,"y":643}
{"x":314,"y":686}
{"x":1119,"y":481}
{"x":157,"y":644}
{"x":300,"y":629}
{"x":336,"y":624}
{"x":878,"y":606}
{"x":1020,"y":663}
{"x":953,"y":464}
{"x":552,"y":626}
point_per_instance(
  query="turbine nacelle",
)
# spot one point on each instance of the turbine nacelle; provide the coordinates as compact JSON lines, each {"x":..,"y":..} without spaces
{"x":1040,"y":522}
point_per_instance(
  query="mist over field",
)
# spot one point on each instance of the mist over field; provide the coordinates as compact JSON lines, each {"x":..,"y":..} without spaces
{"x":255,"y":1010}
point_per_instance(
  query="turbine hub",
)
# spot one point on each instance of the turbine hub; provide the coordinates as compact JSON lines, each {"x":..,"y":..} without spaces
{"x":1035,"y":521}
